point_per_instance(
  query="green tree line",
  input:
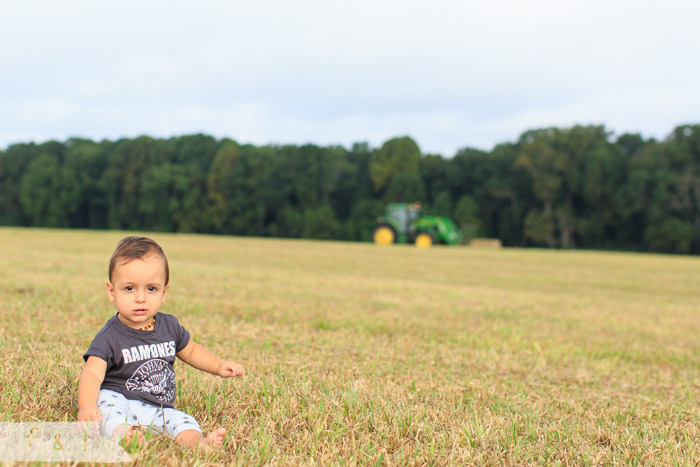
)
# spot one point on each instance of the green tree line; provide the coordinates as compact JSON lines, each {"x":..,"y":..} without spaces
{"x":576,"y":187}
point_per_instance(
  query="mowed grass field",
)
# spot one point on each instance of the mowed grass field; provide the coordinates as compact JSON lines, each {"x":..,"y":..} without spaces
{"x":362,"y":355}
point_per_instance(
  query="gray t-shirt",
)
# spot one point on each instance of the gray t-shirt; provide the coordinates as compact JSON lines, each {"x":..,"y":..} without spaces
{"x":140,"y":363}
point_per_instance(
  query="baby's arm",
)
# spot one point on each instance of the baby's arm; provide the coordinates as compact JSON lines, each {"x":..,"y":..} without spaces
{"x":197,"y":356}
{"x":89,"y":388}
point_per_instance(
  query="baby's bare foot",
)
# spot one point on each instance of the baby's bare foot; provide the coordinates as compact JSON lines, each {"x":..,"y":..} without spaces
{"x":215,"y":438}
{"x":129,"y":435}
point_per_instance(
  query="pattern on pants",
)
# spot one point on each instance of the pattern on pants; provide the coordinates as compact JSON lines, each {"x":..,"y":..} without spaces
{"x":117,"y":410}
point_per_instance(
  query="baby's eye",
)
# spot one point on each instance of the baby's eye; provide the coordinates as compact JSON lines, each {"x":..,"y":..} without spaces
{"x":129,"y":288}
{"x":152,"y":288}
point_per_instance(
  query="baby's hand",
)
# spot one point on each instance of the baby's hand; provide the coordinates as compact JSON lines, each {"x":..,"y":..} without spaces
{"x":89,"y":414}
{"x":230,"y":369}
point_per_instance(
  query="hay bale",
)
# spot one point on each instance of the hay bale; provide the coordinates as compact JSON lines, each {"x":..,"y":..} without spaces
{"x":485,"y":243}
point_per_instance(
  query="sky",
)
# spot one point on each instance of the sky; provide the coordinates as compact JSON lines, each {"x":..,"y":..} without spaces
{"x":450,"y":74}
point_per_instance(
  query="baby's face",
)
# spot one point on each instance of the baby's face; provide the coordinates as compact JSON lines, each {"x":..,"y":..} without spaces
{"x":138,"y":290}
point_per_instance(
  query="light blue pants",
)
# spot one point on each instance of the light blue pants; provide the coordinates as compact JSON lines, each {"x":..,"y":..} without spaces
{"x":118,"y":410}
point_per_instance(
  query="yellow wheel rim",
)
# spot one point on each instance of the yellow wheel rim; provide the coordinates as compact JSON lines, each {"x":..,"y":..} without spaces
{"x":384,"y":236}
{"x":424,"y":240}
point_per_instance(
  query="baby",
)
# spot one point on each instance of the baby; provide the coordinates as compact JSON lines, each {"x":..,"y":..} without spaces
{"x":128,"y":380}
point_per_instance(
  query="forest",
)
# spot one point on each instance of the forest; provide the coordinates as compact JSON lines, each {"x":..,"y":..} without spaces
{"x":577,"y":187}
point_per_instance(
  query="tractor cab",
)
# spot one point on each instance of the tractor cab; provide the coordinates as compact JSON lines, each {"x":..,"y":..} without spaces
{"x":404,"y":215}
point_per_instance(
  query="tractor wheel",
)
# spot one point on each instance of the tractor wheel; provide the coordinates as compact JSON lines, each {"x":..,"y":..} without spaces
{"x":384,"y":234}
{"x":424,"y":240}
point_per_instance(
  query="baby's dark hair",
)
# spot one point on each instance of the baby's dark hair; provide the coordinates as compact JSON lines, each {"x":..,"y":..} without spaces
{"x":130,"y":248}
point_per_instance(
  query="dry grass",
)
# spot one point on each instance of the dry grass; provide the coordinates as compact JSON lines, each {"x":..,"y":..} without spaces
{"x":358,"y":355}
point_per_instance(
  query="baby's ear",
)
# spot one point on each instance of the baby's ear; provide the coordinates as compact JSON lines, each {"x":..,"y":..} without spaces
{"x":165,"y":292}
{"x":110,"y":291}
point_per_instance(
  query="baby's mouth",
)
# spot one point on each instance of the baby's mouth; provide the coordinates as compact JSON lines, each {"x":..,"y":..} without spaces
{"x":140,"y":311}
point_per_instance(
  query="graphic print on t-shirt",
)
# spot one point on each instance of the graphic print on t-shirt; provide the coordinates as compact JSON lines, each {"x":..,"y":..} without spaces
{"x":154,"y":377}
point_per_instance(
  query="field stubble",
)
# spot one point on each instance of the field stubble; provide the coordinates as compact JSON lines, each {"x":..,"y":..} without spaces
{"x":363,"y":355}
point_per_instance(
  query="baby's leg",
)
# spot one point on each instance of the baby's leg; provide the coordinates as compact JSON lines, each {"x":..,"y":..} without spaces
{"x":114,"y":408}
{"x":122,"y":418}
{"x":189,"y":438}
{"x":187,"y":432}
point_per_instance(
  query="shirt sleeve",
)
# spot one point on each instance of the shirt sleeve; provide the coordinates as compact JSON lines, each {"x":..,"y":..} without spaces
{"x":100,"y":348}
{"x":182,"y":335}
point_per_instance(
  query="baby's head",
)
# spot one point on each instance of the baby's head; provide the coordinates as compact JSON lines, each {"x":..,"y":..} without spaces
{"x":131,"y":248}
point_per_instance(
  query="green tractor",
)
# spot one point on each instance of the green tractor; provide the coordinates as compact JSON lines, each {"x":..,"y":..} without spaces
{"x":402,"y":223}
